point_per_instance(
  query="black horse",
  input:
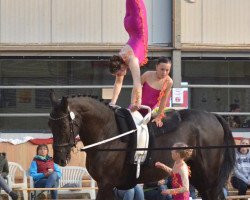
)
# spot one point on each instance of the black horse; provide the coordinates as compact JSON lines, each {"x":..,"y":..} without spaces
{"x":94,"y":121}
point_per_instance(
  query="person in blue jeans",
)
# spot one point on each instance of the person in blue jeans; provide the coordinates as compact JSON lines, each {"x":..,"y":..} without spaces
{"x":44,"y":171}
{"x":153,"y":191}
{"x":135,"y":193}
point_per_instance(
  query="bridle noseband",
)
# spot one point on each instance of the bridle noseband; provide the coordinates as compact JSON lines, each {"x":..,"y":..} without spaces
{"x":72,"y":138}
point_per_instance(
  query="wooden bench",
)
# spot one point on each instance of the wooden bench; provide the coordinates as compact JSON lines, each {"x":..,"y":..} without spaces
{"x":238,"y":197}
{"x":71,"y":175}
{"x":233,"y":193}
{"x":33,"y":191}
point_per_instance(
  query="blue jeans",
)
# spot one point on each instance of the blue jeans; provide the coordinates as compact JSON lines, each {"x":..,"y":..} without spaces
{"x":155,"y":193}
{"x":4,"y":185}
{"x":49,"y":182}
{"x":135,"y":193}
{"x":192,"y":191}
{"x":225,"y":192}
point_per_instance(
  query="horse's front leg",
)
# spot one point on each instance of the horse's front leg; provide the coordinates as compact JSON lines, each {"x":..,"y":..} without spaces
{"x":105,"y":193}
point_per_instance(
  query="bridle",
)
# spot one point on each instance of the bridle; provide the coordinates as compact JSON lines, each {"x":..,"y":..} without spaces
{"x":72,"y":137}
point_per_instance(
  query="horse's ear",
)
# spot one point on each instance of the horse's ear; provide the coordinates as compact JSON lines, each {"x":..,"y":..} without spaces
{"x":64,"y":103}
{"x":53,"y":99}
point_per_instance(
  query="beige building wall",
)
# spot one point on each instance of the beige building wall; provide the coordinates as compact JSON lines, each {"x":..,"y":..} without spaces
{"x":77,"y":21}
{"x":25,"y":152}
{"x":215,"y":22}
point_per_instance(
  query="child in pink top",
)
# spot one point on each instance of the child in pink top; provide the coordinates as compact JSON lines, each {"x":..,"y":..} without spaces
{"x":179,"y":173}
{"x":134,"y":53}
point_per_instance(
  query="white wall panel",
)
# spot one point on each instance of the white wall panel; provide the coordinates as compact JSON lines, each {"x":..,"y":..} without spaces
{"x":26,"y":21}
{"x":226,"y":21}
{"x":216,"y":22}
{"x":191,"y":22}
{"x":113,"y":13}
{"x":76,"y":21}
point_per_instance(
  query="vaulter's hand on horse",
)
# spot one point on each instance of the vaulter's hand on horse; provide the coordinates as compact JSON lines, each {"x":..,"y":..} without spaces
{"x":158,"y":121}
{"x":135,"y":107}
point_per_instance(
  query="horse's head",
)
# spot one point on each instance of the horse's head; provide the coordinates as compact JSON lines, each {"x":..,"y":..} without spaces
{"x":61,"y":123}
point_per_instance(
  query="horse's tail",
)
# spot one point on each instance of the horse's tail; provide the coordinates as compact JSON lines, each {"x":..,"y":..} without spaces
{"x":229,"y":155}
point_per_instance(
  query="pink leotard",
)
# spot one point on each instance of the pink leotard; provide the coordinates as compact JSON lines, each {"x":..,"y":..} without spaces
{"x":149,"y":95}
{"x":135,"y":23}
{"x":177,"y":183}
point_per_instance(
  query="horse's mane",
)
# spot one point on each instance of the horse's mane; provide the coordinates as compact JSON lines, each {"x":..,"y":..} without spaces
{"x":94,"y":97}
{"x":105,"y":102}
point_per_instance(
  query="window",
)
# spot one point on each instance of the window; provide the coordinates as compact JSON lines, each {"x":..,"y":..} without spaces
{"x":218,"y":72}
{"x":8,"y":98}
{"x":54,"y":72}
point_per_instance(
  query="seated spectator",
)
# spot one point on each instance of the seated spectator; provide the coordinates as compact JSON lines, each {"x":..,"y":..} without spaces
{"x":153,"y":191}
{"x":4,"y":170}
{"x":135,"y":193}
{"x":241,"y":176}
{"x":234,"y":120}
{"x":45,"y":172}
{"x":246,"y":123}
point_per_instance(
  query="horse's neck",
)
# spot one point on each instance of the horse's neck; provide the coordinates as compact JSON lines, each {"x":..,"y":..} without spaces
{"x":98,"y":128}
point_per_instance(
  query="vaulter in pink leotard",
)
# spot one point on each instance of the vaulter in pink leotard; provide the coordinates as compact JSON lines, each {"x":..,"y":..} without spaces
{"x":135,"y":23}
{"x":149,"y":95}
{"x":133,"y":54}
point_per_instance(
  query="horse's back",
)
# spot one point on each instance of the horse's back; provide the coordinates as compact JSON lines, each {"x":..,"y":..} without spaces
{"x":196,"y":115}
{"x":209,"y":126}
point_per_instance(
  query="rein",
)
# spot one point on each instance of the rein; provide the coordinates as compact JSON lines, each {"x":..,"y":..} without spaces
{"x":108,"y":140}
{"x":71,"y":116}
{"x":72,"y":123}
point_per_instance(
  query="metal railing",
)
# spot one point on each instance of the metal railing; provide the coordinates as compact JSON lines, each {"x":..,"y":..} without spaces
{"x":24,"y":114}
{"x":105,"y":87}
{"x":111,"y":86}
